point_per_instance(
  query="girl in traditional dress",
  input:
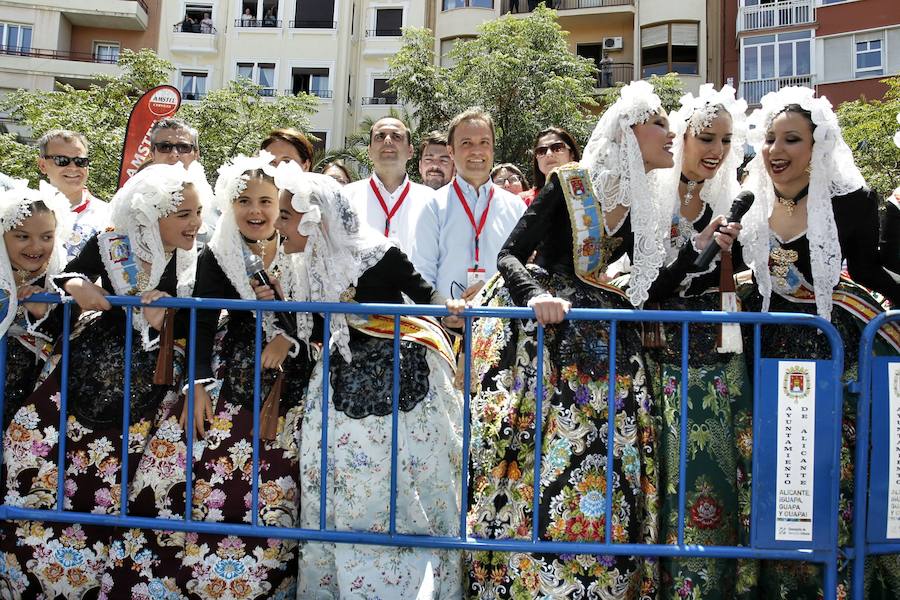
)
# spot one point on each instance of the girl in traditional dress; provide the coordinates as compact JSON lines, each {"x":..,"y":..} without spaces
{"x":34,"y":224}
{"x":191,"y":565}
{"x":586,"y":217}
{"x":818,"y":212}
{"x":710,"y":132}
{"x":149,"y":251}
{"x":344,"y":261}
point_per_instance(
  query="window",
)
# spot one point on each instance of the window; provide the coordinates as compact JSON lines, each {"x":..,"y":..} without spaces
{"x":388,"y":22}
{"x":319,"y":140}
{"x":608,"y":72}
{"x":262,"y":74}
{"x":670,"y":48}
{"x":314,"y":14}
{"x":198,"y":18}
{"x":451,"y":4}
{"x":193,"y":85}
{"x":258,"y":13}
{"x":447,"y":46}
{"x":15,"y":37}
{"x":781,"y":55}
{"x":380,"y":93}
{"x":869,"y":55}
{"x":106,"y":52}
{"x":309,"y":80}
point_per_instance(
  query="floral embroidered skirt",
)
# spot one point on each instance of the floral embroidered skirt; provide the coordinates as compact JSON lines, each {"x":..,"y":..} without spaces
{"x":175,"y":565}
{"x":60,"y":560}
{"x":575,"y":439}
{"x":798,"y":580}
{"x":719,"y":452}
{"x":429,"y":468}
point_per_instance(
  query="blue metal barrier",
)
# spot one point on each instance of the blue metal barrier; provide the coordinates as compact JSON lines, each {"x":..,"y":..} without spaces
{"x":870,"y":493}
{"x":822,"y":550}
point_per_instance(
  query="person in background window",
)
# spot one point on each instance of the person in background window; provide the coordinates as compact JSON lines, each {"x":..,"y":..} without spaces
{"x":206,"y":25}
{"x":248,"y":19}
{"x":435,"y":163}
{"x":269,"y":18}
{"x":338,"y":171}
{"x":289,"y":144}
{"x":509,"y":177}
{"x":187,"y":26}
{"x":553,"y":148}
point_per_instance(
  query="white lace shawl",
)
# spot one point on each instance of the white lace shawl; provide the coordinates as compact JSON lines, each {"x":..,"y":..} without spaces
{"x":153,"y":193}
{"x":338,"y":250}
{"x":613,"y":159}
{"x":833,"y":173}
{"x":15,"y":207}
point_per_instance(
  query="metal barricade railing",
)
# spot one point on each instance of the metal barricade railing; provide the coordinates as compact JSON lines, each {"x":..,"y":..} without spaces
{"x":872,"y":513}
{"x":822,"y":547}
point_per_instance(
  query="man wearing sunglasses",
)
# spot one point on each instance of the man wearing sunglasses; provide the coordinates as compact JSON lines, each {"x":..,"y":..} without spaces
{"x":64,"y":161}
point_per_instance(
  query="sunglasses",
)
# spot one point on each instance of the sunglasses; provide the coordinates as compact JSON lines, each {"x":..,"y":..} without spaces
{"x":63,"y":161}
{"x":555,"y":148}
{"x":167,"y":147}
{"x":512,"y":180}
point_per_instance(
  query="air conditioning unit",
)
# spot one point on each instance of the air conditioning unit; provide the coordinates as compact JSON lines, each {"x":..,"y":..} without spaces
{"x":612,"y":43}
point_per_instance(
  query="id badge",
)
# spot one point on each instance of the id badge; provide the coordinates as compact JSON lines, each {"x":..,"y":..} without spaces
{"x":474,"y":276}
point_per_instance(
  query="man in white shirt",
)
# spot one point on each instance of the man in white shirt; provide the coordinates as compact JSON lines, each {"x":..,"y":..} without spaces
{"x":388,"y":201}
{"x":471,"y":217}
{"x":64,"y":161}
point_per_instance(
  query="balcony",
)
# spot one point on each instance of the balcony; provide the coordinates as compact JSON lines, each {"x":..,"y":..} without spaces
{"x":106,"y":14}
{"x":312,"y":24}
{"x":254,"y":23}
{"x":775,"y":14}
{"x":609,"y":75}
{"x":74,"y":68}
{"x":379,"y":100}
{"x":205,"y":40}
{"x":523,"y":6}
{"x":324,"y":94}
{"x":753,"y":91}
{"x":376,"y":33}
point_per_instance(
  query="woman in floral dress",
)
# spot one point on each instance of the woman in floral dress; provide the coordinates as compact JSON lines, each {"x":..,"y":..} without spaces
{"x":149,"y":251}
{"x":819,"y":212}
{"x":151,"y":564}
{"x":710,"y":133}
{"x":344,"y":261}
{"x":586,"y":217}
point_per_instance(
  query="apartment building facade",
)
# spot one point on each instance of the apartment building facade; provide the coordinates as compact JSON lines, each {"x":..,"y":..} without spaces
{"x":842,"y":48}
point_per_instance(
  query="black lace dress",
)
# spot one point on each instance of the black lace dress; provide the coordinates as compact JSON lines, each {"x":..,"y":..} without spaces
{"x":359,"y":438}
{"x":58,"y":559}
{"x":205,"y":565}
{"x":575,"y":437}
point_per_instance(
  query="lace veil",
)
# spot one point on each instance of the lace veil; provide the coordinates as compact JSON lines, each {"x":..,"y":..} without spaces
{"x":338,"y":250}
{"x":153,"y":193}
{"x":832,"y":173}
{"x":15,"y":207}
{"x":613,"y":160}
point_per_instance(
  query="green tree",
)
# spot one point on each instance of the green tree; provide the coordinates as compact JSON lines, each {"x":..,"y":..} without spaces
{"x":518,"y":69}
{"x":868,"y":128}
{"x":229,"y":120}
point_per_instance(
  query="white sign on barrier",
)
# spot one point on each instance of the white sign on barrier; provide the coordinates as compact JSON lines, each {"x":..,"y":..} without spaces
{"x":796,"y":449}
{"x":893,"y":516}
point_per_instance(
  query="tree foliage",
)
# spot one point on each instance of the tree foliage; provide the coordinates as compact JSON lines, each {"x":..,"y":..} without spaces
{"x":518,"y":69}
{"x":669,"y":88}
{"x":230,"y":120}
{"x":868,"y":128}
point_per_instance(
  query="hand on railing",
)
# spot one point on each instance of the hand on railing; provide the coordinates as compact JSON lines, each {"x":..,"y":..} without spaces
{"x":37,"y":309}
{"x":154,"y":316}
{"x":87,"y":295}
{"x":455,"y":307}
{"x":203,"y":410}
{"x":548,"y":309}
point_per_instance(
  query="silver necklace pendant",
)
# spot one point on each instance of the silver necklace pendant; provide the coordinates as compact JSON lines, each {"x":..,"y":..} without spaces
{"x":689,"y":194}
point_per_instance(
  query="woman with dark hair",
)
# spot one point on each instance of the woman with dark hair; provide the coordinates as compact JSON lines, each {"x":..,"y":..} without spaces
{"x":289,"y":144}
{"x":509,"y":177}
{"x":818,"y":213}
{"x":553,"y":147}
{"x":338,"y":171}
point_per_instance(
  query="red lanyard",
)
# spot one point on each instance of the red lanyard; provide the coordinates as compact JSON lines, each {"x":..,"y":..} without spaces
{"x":480,"y":227}
{"x":85,"y":200}
{"x":388,"y":215}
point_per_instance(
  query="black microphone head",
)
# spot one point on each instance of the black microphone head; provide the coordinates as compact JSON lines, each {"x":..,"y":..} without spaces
{"x":253,"y":263}
{"x":741,"y":205}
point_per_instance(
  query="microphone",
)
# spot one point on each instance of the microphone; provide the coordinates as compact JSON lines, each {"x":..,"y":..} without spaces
{"x":739,"y":208}
{"x":257,"y":271}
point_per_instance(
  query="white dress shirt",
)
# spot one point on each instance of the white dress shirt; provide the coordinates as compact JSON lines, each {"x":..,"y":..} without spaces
{"x":91,"y":217}
{"x":447,"y":251}
{"x":405,"y":222}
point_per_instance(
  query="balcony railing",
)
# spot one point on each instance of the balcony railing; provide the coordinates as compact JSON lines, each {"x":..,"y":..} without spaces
{"x":753,"y":91}
{"x":369,"y":100}
{"x":383,"y":32}
{"x":253,"y":23}
{"x":194,"y":28}
{"x":311,"y":24}
{"x":193,"y":95}
{"x":525,"y":6}
{"x":318,"y":93}
{"x":57,"y":54}
{"x":609,"y":75}
{"x":776,"y":14}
